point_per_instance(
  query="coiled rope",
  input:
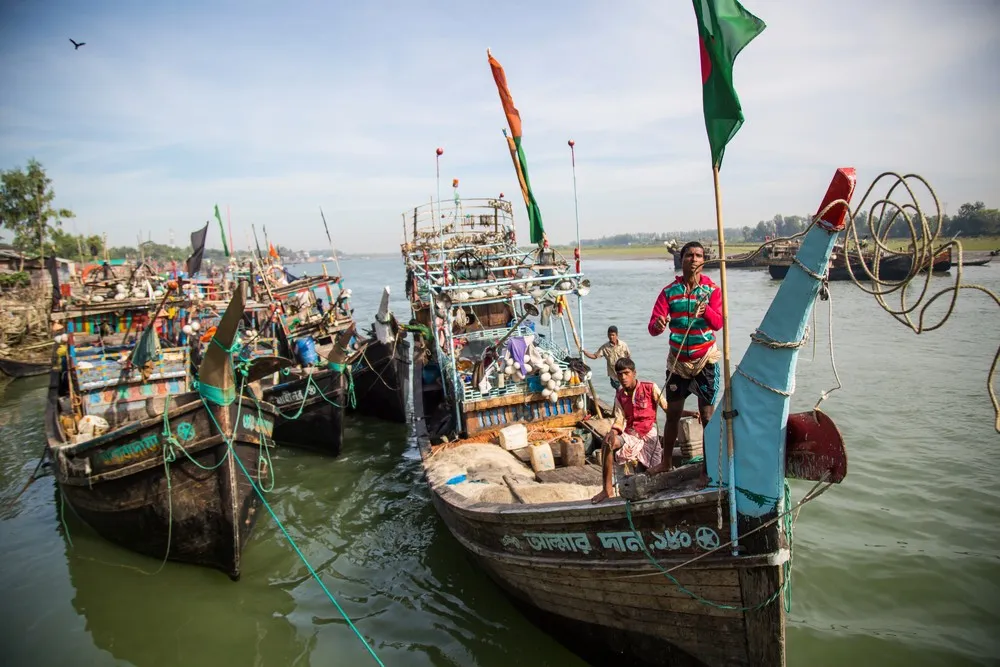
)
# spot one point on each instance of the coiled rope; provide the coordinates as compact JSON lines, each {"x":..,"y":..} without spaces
{"x":926,"y":243}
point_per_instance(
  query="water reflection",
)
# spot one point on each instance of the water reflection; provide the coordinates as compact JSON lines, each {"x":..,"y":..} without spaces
{"x":184,"y":615}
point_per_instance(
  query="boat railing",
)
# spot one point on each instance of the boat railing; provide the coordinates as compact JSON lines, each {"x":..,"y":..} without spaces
{"x":471,"y":392}
{"x":432,"y":219}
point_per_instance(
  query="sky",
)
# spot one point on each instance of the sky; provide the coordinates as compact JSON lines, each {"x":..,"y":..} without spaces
{"x":273,"y":110}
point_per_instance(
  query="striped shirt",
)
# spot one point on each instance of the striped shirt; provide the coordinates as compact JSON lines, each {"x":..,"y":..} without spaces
{"x":690,"y":337}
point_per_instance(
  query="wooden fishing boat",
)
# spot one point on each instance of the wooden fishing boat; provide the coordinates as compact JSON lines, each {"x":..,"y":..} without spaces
{"x":16,"y":368}
{"x":380,"y":368}
{"x":677,"y":571}
{"x":310,"y":392}
{"x":173,"y":474}
{"x":312,"y":397}
{"x":890,"y":267}
{"x":674,"y":249}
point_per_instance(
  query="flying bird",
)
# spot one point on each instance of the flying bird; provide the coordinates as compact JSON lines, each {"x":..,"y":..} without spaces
{"x":77,"y":45}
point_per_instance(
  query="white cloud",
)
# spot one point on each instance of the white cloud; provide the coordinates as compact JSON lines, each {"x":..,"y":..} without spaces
{"x":276,"y":113}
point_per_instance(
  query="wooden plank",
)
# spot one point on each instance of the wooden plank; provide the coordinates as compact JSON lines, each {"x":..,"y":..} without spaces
{"x":765,"y":627}
{"x":720,"y":586}
{"x":665,"y":596}
{"x":711,"y":646}
{"x":678,"y":612}
{"x":585,"y":475}
{"x":599,"y":427}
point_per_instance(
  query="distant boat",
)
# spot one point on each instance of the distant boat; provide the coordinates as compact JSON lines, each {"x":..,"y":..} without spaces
{"x":890,"y":267}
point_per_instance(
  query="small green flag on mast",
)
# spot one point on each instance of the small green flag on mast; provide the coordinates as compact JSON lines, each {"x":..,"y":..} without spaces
{"x":222,"y":230}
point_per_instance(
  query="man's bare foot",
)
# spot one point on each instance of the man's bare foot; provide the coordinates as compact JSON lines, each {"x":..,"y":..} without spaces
{"x":662,"y":466}
{"x":600,"y":497}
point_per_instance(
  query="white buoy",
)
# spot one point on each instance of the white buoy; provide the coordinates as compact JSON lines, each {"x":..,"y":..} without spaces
{"x":187,"y":329}
{"x":545,"y":376}
{"x":196,"y":325}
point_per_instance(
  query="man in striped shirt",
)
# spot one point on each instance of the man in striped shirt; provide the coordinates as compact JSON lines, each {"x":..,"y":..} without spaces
{"x":691,"y":307}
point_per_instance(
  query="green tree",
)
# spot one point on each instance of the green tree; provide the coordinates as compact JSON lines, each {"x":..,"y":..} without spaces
{"x":74,"y":246}
{"x":26,"y":209}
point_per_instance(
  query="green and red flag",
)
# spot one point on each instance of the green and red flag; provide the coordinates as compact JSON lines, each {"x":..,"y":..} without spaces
{"x":724,"y":28}
{"x":516,"y":151}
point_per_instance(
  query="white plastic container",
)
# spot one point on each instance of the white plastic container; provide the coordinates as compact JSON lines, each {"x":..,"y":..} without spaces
{"x":541,"y":457}
{"x":514,"y":436}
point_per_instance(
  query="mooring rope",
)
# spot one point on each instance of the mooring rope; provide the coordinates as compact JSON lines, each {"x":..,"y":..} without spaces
{"x":312,"y":571}
{"x":788,"y":516}
{"x":925,"y":242}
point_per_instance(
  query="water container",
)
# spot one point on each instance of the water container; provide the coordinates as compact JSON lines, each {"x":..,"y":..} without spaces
{"x":690,"y":438}
{"x":305,"y":348}
{"x":534,"y":383}
{"x":541,"y":457}
{"x":573,"y":452}
{"x":514,"y":436}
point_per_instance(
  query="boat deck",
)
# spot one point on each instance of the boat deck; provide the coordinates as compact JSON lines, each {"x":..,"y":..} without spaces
{"x":481,"y":471}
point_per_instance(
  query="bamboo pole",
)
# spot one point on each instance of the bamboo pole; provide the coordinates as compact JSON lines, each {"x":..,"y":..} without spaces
{"x":727,"y":398}
{"x":579,"y":346}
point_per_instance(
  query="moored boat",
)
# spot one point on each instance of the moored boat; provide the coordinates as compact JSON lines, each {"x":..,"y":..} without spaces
{"x":380,"y":368}
{"x":145,"y":460}
{"x":663,"y":575}
{"x":22,"y":368}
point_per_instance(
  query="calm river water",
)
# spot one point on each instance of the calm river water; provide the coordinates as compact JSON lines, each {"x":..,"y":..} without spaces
{"x":899,"y":565}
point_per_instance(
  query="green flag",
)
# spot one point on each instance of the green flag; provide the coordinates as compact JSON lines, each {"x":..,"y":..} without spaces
{"x":222,"y":230}
{"x":724,"y":28}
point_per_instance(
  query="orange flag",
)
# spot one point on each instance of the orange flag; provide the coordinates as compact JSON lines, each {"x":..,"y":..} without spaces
{"x":271,"y":251}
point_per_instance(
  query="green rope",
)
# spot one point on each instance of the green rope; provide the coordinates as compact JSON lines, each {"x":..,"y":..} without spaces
{"x":263,"y":455}
{"x":351,"y":400}
{"x":787,"y":566}
{"x":759,"y":499}
{"x":62,"y":515}
{"x":718,"y":605}
{"x":173,"y":444}
{"x":168,"y":457}
{"x":305,"y":561}
{"x":310,"y":382}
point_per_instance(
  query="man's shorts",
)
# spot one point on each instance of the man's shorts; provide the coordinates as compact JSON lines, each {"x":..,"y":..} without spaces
{"x":705,"y":386}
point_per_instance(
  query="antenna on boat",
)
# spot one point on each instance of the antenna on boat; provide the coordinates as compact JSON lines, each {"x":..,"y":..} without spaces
{"x":340,"y":275}
{"x":440,"y":217}
{"x":577,"y":252}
